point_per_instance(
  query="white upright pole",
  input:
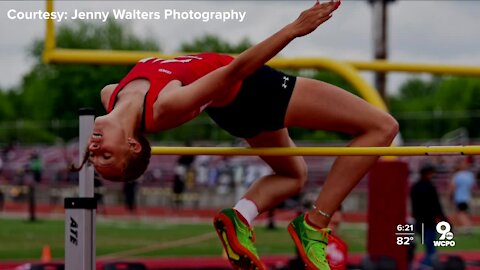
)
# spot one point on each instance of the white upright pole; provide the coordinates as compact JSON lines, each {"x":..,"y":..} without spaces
{"x":80,"y":211}
{"x":86,"y":184}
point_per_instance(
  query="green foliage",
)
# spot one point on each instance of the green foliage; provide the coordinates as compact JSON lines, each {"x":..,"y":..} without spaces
{"x":213,"y":43}
{"x":109,"y":36}
{"x":8,"y":102}
{"x":427,"y":109}
{"x":29,"y":131}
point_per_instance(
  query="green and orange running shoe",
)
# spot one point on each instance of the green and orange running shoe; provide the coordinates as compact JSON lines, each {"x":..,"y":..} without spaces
{"x":311,"y":243}
{"x":237,"y":239}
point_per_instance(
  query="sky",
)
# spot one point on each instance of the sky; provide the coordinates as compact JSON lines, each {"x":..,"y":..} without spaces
{"x":446,"y":32}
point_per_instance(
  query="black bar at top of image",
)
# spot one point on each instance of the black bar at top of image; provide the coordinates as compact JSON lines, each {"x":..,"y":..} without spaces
{"x":80,"y":203}
{"x":86,"y":111}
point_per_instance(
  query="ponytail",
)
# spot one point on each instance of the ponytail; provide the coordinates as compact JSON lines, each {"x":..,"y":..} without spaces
{"x":74,"y":168}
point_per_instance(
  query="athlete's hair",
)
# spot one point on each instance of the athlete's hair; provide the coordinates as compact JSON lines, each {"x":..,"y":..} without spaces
{"x":135,"y":164}
{"x":74,"y":168}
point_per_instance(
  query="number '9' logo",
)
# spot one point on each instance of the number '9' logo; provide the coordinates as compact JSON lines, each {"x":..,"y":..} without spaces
{"x":443,"y":228}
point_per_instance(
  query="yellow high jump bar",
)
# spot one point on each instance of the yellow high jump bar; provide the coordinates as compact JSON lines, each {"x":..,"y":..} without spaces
{"x":320,"y":151}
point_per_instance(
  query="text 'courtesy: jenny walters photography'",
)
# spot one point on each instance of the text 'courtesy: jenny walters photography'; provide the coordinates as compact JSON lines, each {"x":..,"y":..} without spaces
{"x":130,"y":14}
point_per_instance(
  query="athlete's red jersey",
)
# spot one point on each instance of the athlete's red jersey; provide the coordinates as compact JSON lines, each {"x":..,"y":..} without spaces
{"x":159,"y":72}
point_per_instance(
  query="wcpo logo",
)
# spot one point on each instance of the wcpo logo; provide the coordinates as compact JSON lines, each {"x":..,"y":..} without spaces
{"x":446,"y":236}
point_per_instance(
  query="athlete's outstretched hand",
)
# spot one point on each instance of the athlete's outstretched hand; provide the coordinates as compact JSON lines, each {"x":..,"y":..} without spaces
{"x":313,"y":17}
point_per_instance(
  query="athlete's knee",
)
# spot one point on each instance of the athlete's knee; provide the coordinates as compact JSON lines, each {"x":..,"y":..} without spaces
{"x":299,"y":174}
{"x":387,"y":128}
{"x":382,"y":128}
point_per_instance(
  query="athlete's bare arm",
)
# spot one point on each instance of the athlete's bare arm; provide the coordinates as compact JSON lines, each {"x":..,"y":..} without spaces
{"x":184,"y":100}
{"x":169,"y":113}
{"x":106,"y":93}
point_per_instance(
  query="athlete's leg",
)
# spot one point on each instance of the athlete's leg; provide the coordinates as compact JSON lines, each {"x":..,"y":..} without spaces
{"x":464,"y":220}
{"x":289,"y":172}
{"x":233,"y":225}
{"x":318,"y":105}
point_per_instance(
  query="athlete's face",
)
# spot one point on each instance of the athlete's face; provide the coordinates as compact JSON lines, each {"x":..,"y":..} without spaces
{"x":108,"y":148}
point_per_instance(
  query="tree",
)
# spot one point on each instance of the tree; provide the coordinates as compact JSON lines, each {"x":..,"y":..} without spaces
{"x":8,"y":102}
{"x":427,"y":109}
{"x":213,"y":43}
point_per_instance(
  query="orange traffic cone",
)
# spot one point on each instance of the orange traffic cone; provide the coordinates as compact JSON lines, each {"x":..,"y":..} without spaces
{"x":46,"y":254}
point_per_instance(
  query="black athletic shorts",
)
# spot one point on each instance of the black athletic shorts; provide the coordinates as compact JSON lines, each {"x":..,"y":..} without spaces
{"x":260,"y":104}
{"x":462,"y":207}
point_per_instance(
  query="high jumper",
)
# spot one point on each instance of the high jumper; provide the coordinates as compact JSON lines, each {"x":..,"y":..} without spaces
{"x":251,"y":101}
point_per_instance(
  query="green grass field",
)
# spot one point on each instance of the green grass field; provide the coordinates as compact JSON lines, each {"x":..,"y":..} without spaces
{"x":20,"y":239}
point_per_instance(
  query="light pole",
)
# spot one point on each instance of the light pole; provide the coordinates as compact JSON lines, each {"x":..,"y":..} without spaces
{"x":380,"y":40}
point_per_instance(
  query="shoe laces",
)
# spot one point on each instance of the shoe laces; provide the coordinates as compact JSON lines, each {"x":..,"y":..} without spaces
{"x":251,"y":235}
{"x":318,"y":235}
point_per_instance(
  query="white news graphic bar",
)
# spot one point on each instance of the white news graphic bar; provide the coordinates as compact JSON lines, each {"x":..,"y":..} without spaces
{"x":405,"y":233}
{"x":422,"y":233}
